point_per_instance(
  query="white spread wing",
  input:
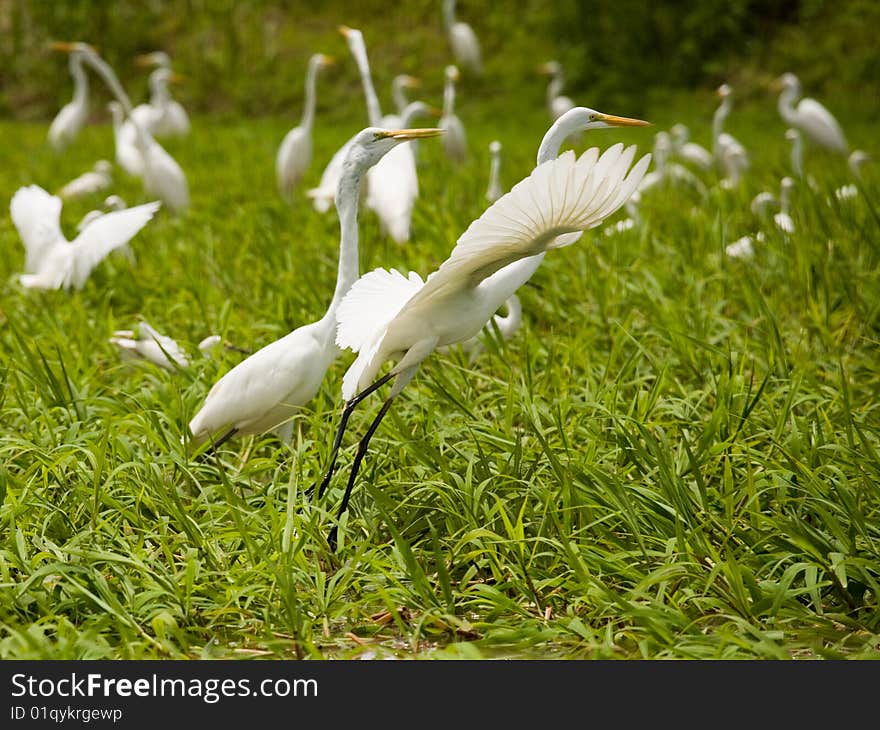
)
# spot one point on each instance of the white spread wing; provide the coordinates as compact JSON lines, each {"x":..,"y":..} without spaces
{"x":371,"y":303}
{"x":105,"y":234}
{"x":36,"y":215}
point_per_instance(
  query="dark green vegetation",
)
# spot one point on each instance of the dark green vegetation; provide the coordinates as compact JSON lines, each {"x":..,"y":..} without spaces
{"x":677,"y":455}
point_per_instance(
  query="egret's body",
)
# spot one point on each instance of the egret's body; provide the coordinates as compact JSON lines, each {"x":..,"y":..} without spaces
{"x":690,"y":152}
{"x":94,"y":181}
{"x":169,"y":118}
{"x":70,"y":119}
{"x":389,"y":316}
{"x":455,"y":139}
{"x":295,"y":153}
{"x":146,"y":343}
{"x":265,"y":390}
{"x":53,"y":262}
{"x":128,"y":156}
{"x":812,"y":119}
{"x":494,"y":190}
{"x":557,"y":103}
{"x":465,"y":46}
{"x":730,"y":156}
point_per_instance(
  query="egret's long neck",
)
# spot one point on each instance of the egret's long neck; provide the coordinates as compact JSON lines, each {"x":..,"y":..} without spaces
{"x":785,"y":103}
{"x":784,"y":198}
{"x":309,"y":110}
{"x":400,"y":100}
{"x":718,"y":121}
{"x":448,"y":97}
{"x":797,"y":156}
{"x":448,"y":13}
{"x":359,"y":51}
{"x":347,"y":195}
{"x":510,"y":324}
{"x":495,"y":171}
{"x":80,"y":81}
{"x":554,"y":88}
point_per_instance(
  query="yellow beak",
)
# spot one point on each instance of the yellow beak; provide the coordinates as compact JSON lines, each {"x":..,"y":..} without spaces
{"x":614,"y":121}
{"x":328,"y":60}
{"x":345,"y":30}
{"x":411,"y":133}
{"x":411,"y":82}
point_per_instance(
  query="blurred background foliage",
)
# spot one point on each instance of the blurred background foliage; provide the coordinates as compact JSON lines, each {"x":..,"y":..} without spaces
{"x":249,"y":57}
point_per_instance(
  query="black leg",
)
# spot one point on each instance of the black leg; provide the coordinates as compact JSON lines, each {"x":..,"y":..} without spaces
{"x":356,"y":466}
{"x":217,"y":444}
{"x":343,"y":422}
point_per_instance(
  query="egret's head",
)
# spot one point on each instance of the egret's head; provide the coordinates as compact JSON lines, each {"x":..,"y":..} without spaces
{"x":114,"y":202}
{"x":786,"y":81}
{"x":321,"y":60}
{"x":210,"y":345}
{"x":792,"y":135}
{"x":551,"y":68}
{"x":787,"y":183}
{"x":75,"y":47}
{"x":116,"y":111}
{"x":452,"y":73}
{"x":495,"y":147}
{"x":156,"y":58}
{"x":680,"y":131}
{"x":582,"y":117}
{"x":407,"y":82}
{"x":856,"y":159}
{"x":418,"y":109}
{"x":103,"y":166}
{"x":724,"y":91}
{"x":372,"y":143}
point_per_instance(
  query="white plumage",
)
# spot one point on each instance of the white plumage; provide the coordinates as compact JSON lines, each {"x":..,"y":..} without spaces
{"x":146,"y":343}
{"x":94,"y":181}
{"x":809,"y":116}
{"x":455,"y":139}
{"x":72,"y":116}
{"x":463,"y":39}
{"x":53,"y":262}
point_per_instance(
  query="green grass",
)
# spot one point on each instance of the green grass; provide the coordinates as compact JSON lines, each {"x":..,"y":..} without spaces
{"x":677,"y":455}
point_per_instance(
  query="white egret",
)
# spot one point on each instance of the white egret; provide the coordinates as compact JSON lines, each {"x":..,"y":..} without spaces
{"x":688,"y":151}
{"x":295,"y":153}
{"x":111,"y":202}
{"x":53,"y":262}
{"x":741,"y":248}
{"x":507,"y":326}
{"x":809,"y":116}
{"x":387,"y":315}
{"x":262,"y":392}
{"x":399,"y":85}
{"x":730,"y":156}
{"x":171,"y":119}
{"x":557,"y":103}
{"x":761,"y":204}
{"x":72,"y":116}
{"x":162,"y":177}
{"x":783,"y":219}
{"x":146,"y":343}
{"x":99,"y":178}
{"x":128,"y":156}
{"x":666,"y":170}
{"x":324,"y":195}
{"x":211,"y":344}
{"x":455,"y":139}
{"x":494,"y":191}
{"x":465,"y":46}
{"x":855,"y":161}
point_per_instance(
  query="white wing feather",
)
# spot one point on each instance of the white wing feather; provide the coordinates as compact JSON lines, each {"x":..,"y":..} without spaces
{"x":36,"y":215}
{"x":819,"y":124}
{"x":371,"y":303}
{"x":105,"y":234}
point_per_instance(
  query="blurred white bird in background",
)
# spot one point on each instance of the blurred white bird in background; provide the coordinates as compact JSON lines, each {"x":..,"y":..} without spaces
{"x":99,"y":178}
{"x":399,"y":85}
{"x":557,"y":103}
{"x":111,"y":202}
{"x":295,"y":152}
{"x":265,"y":390}
{"x":455,"y":139}
{"x":855,"y":161}
{"x":494,"y":190}
{"x":465,"y":46}
{"x":796,"y":155}
{"x":128,"y":156}
{"x":741,"y":248}
{"x":730,"y":156}
{"x":170,"y":118}
{"x":812,"y":119}
{"x":688,"y":151}
{"x":70,"y":119}
{"x":783,"y":219}
{"x":53,"y":262}
{"x":146,"y":343}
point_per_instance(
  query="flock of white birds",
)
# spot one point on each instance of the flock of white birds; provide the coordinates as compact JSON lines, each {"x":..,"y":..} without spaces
{"x":384,"y":315}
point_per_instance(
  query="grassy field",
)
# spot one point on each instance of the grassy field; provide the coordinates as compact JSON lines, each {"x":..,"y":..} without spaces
{"x":677,"y":456}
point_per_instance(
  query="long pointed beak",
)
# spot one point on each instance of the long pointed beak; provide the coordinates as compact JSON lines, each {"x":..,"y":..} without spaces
{"x":144,"y":60}
{"x":412,"y":133}
{"x":435,"y":112}
{"x":176,"y":78}
{"x":411,"y":82}
{"x":614,"y":121}
{"x":345,"y":30}
{"x":61,"y":46}
{"x":328,"y":60}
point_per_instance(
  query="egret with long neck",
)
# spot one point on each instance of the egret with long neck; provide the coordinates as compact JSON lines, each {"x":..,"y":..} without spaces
{"x":72,"y":116}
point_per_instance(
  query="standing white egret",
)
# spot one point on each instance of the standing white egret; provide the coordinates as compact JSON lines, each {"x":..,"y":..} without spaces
{"x":494,"y":191}
{"x":455,"y":139}
{"x":128,"y":156}
{"x":146,"y":343}
{"x":809,"y":116}
{"x":295,"y":153}
{"x":262,"y":392}
{"x":72,"y":116}
{"x":162,"y":177}
{"x":855,"y":161}
{"x":783,"y":219}
{"x":557,"y":103}
{"x":399,"y":85}
{"x":171,"y":119}
{"x":99,"y":178}
{"x":387,"y":315}
{"x":666,"y":170}
{"x":688,"y":151}
{"x":730,"y":156}
{"x":465,"y":46}
{"x":53,"y":262}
